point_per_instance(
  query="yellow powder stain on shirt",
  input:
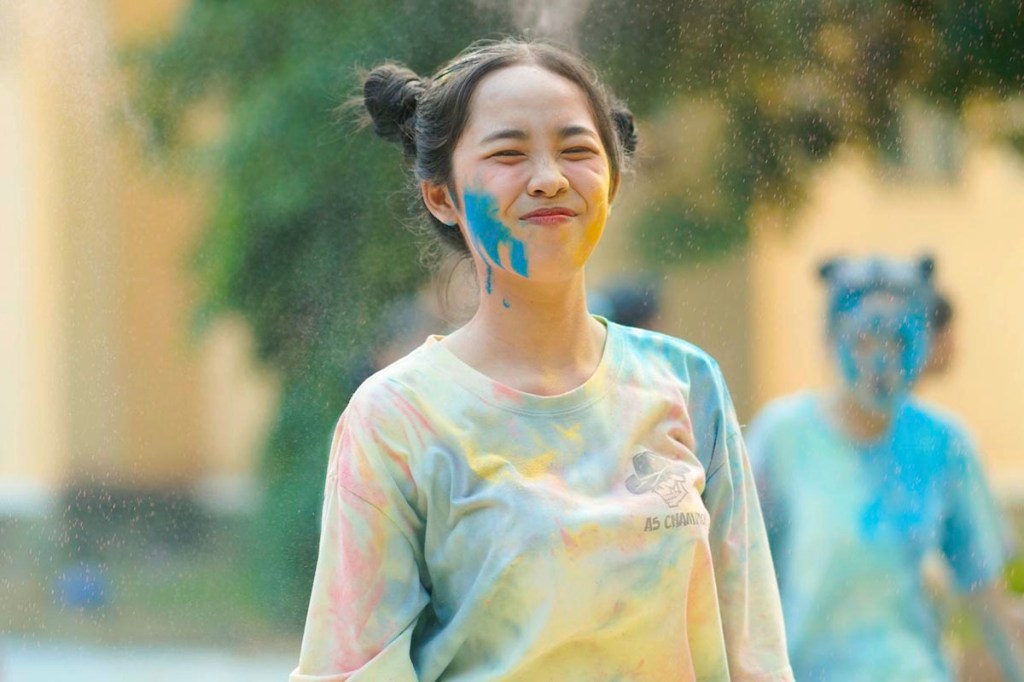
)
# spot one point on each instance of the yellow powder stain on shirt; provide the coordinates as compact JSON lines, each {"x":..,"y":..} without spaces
{"x":535,"y":467}
{"x":492,"y":467}
{"x":488,"y":466}
{"x":570,"y":433}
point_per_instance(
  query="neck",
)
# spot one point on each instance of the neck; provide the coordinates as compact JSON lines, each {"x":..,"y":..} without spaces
{"x":857,"y":421}
{"x":537,"y":338}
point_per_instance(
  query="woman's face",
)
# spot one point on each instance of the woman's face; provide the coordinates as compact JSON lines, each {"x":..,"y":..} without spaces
{"x":532,"y":178}
{"x":880,"y":347}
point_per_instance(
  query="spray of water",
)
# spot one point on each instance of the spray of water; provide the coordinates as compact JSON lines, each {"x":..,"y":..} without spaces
{"x":555,"y":19}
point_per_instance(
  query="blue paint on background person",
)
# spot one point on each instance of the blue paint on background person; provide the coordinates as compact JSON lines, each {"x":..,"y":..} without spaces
{"x":861,"y":484}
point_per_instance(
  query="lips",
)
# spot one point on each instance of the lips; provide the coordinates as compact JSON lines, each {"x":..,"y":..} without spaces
{"x":553,"y":212}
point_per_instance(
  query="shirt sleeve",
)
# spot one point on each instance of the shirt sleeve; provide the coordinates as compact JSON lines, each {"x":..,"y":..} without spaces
{"x":367,"y":591}
{"x":974,"y":538}
{"x":748,"y":594}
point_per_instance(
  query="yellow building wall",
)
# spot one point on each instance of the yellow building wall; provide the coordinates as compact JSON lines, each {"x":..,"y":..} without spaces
{"x":973,"y":225}
{"x":33,"y":430}
{"x":101,"y":381}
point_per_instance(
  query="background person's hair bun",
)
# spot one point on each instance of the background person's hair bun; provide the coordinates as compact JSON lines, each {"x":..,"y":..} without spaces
{"x":828,"y":268}
{"x":390,"y":94}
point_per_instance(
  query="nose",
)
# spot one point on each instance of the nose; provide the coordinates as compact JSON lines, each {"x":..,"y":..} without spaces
{"x":547,"y":179}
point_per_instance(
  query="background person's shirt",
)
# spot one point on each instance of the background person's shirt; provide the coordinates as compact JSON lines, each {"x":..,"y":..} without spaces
{"x":474,"y":532}
{"x":850,"y":527}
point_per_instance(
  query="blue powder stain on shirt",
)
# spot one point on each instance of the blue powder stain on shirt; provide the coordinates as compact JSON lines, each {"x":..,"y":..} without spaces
{"x":907,"y":465}
{"x":488,"y":233}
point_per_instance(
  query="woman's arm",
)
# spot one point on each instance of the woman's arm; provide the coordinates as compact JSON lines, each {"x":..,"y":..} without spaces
{"x":747,"y":590}
{"x":368,"y":591}
{"x":1001,"y":627}
{"x":365,"y":601}
{"x":975,"y":544}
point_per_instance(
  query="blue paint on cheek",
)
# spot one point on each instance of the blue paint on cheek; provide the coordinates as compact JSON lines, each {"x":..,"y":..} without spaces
{"x":916,"y":344}
{"x":488,"y":285}
{"x":847,"y":361}
{"x":505,"y":303}
{"x":488,"y":234}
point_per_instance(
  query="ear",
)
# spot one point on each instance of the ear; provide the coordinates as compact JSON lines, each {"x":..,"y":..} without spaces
{"x":439,"y":202}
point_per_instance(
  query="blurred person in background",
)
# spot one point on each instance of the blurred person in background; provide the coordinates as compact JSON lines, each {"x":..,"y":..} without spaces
{"x":403,"y":325}
{"x":862,"y":483}
{"x":541,"y":494}
{"x":631,"y":301}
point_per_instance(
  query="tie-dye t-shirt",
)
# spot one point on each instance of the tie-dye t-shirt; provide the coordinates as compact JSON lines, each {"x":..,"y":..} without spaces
{"x":473,"y":532}
{"x":851,"y":526}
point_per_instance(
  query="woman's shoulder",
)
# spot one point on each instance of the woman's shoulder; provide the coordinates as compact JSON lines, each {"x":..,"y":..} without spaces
{"x":801,"y":406}
{"x":403,"y":381}
{"x":650,"y":346}
{"x":939,"y":427}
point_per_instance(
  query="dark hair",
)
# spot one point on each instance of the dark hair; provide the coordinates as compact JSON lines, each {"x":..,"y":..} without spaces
{"x":849,"y":280}
{"x":427,"y":116}
{"x":634,"y":301}
{"x":942,"y":313}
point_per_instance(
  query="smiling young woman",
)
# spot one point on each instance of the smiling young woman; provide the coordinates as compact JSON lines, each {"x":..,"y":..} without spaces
{"x":541,"y":494}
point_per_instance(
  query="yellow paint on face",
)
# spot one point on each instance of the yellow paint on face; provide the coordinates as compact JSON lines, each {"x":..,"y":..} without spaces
{"x":590,"y":237}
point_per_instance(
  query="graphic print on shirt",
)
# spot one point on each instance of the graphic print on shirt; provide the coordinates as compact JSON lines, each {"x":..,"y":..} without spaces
{"x":661,"y":475}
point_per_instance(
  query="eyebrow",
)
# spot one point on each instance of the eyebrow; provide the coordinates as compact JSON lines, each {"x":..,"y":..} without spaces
{"x":517,"y":134}
{"x":505,"y":134}
{"x":569,"y":131}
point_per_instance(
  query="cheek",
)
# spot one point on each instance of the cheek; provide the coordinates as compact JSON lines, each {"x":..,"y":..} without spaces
{"x":594,"y":185}
{"x":594,"y":182}
{"x":591,"y":232}
{"x":848,"y":362}
{"x":490,"y":238}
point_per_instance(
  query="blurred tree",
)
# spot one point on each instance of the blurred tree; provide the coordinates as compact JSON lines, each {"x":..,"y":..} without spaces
{"x":302,"y":236}
{"x":792,"y":79}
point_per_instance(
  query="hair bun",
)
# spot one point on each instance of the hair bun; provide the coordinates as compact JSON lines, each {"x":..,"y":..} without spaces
{"x":926,"y":265}
{"x":390,"y":94}
{"x":625,"y":127}
{"x":828,"y":268}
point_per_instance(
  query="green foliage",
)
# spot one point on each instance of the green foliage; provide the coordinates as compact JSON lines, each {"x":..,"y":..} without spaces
{"x":1014,"y":575}
{"x":793,"y":79}
{"x":303,"y":237}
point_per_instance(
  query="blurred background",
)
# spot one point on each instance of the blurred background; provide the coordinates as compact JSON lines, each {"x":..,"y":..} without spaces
{"x":201,"y":257}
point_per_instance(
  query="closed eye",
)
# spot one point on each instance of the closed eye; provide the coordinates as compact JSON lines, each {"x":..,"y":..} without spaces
{"x":579,"y":151}
{"x":506,"y":154}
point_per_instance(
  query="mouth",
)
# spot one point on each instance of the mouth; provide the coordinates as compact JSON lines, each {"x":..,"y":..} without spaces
{"x":549,"y":216}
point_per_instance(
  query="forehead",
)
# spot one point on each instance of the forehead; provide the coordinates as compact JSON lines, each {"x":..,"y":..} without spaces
{"x":526,"y":96}
{"x":878,"y":312}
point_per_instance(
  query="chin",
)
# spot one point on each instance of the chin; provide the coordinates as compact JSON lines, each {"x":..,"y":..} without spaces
{"x":881,"y":404}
